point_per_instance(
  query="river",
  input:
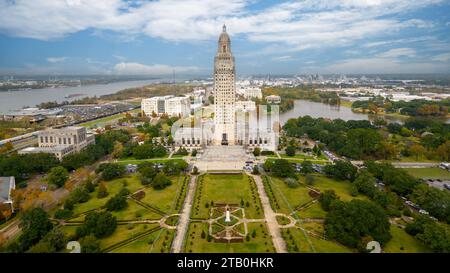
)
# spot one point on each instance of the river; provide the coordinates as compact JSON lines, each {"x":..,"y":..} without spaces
{"x":321,"y":110}
{"x":12,"y":100}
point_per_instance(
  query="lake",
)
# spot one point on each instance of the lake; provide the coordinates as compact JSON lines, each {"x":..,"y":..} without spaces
{"x":321,"y":110}
{"x":12,"y":100}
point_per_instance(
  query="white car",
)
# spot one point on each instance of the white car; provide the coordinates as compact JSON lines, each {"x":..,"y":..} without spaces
{"x":424,"y":212}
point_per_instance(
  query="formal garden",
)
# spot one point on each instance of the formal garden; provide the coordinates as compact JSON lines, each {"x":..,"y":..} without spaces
{"x":209,"y":231}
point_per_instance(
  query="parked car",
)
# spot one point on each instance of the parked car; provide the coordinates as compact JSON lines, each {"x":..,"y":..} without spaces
{"x":424,"y":212}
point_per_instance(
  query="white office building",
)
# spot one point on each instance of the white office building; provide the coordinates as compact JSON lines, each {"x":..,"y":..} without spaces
{"x":170,"y":105}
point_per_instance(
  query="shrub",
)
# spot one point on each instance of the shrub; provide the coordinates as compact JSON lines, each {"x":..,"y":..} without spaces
{"x":291,"y":183}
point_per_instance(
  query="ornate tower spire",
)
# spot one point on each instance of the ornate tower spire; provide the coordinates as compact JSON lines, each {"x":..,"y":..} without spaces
{"x":224,"y":28}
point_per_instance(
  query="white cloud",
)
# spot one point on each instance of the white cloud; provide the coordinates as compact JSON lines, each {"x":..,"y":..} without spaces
{"x":155,"y":69}
{"x":398,"y":52}
{"x":442,"y":57}
{"x":290,"y":26}
{"x":56,"y":59}
{"x":283,"y":58}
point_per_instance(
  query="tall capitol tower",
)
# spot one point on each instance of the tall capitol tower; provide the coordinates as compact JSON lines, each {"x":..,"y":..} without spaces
{"x":224,"y":92}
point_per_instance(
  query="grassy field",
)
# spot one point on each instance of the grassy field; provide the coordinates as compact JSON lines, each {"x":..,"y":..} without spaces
{"x":132,"y":183}
{"x":429,"y":173}
{"x":298,"y":242}
{"x":164,"y":199}
{"x":161,"y":199}
{"x":226,"y":188}
{"x":402,"y":242}
{"x":289,"y":198}
{"x":342,"y":188}
{"x":262,"y":243}
{"x":314,"y":211}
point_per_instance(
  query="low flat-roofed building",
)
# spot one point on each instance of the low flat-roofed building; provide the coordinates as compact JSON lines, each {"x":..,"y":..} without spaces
{"x":273,"y":99}
{"x":7,"y":184}
{"x":250,"y":92}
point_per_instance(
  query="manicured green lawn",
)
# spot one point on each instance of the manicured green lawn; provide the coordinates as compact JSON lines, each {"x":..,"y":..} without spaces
{"x":132,"y":183}
{"x":402,"y":242}
{"x":314,"y":211}
{"x":262,"y":243}
{"x":342,"y":188}
{"x":135,"y":211}
{"x":289,"y":198}
{"x":309,"y":244}
{"x":429,"y":173}
{"x":164,"y":199}
{"x":226,"y":188}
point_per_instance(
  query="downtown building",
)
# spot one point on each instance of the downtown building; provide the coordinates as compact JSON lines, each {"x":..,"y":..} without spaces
{"x":166,"y":105}
{"x":235,"y":122}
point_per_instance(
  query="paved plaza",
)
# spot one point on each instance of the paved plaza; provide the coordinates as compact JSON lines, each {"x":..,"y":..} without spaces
{"x":217,"y":158}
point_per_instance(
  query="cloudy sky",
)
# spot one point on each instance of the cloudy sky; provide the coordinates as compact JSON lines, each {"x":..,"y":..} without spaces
{"x":122,"y":37}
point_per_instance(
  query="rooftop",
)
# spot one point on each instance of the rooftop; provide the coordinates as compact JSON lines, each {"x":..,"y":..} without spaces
{"x":6,"y":183}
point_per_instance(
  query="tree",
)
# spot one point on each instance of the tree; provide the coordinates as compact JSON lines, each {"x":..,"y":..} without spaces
{"x":361,"y":142}
{"x":110,"y":171}
{"x":147,"y":172}
{"x":290,"y":150}
{"x":58,"y":176}
{"x":161,"y":181}
{"x":436,"y":237}
{"x":174,"y":167}
{"x":255,"y":170}
{"x":435,"y":201}
{"x":257,"y":151}
{"x":417,"y":150}
{"x":365,"y":183}
{"x":268,"y":165}
{"x":282,"y":168}
{"x":306,"y":167}
{"x":443,"y":151}
{"x":326,"y":198}
{"x":102,"y":190}
{"x":35,"y":224}
{"x":366,"y":218}
{"x":341,"y":170}
{"x":100,"y":224}
{"x":195,"y":170}
{"x":194,"y":153}
{"x":116,"y":203}
{"x":89,"y":244}
{"x":117,"y":150}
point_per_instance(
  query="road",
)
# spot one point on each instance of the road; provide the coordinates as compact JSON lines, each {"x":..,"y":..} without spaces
{"x":414,"y":165}
{"x":183,"y":222}
{"x":270,"y":215}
